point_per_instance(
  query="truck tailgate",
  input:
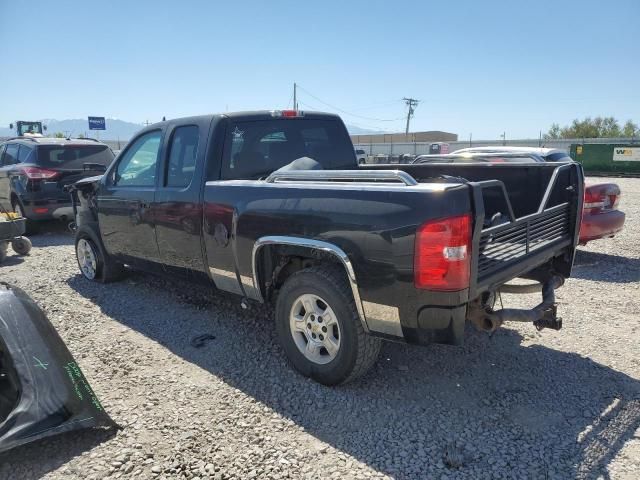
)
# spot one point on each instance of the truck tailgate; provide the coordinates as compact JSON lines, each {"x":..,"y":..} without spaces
{"x":510,"y":249}
{"x":524,"y":215}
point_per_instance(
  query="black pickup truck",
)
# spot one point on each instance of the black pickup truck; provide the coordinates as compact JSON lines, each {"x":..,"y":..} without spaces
{"x":273,"y":207}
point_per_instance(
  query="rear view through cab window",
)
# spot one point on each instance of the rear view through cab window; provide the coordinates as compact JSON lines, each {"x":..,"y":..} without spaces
{"x":255,"y":149}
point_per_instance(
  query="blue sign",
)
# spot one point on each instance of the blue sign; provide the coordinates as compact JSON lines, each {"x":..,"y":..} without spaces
{"x":97,"y":123}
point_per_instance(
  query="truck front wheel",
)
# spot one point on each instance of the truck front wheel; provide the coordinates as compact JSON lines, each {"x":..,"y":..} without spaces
{"x":319,"y":327}
{"x":94,"y":262}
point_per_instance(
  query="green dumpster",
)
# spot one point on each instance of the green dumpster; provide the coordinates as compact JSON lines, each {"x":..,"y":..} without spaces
{"x":616,"y":158}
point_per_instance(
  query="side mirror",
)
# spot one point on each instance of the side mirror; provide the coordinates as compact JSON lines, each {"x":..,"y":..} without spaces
{"x":11,"y":126}
{"x":44,"y":127}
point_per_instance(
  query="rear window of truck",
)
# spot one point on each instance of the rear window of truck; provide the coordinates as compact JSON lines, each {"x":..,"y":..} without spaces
{"x":254,"y":149}
{"x":73,"y":156}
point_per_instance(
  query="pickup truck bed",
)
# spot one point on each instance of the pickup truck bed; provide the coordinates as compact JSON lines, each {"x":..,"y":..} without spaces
{"x":408,"y":255}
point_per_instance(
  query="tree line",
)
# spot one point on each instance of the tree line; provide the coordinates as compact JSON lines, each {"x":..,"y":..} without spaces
{"x":598,"y":127}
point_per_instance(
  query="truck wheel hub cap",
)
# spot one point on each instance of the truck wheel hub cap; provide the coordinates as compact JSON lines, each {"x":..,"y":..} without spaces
{"x":315,"y":328}
{"x":86,"y":258}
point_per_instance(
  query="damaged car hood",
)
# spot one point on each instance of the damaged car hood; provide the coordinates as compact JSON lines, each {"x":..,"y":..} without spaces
{"x":43,"y":392}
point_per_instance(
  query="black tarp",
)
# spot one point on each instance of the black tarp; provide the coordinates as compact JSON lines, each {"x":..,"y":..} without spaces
{"x":43,"y":392}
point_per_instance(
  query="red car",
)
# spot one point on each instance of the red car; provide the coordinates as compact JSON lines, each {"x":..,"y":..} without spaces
{"x":600,"y":216}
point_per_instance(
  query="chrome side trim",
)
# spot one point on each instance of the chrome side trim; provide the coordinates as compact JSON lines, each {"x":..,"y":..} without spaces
{"x":337,"y":175}
{"x":383,"y":318}
{"x":315,"y":244}
{"x":249,"y":290}
{"x":225,"y":280}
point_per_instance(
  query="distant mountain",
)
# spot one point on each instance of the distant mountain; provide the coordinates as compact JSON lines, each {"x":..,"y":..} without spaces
{"x":120,"y":129}
{"x":116,"y":129}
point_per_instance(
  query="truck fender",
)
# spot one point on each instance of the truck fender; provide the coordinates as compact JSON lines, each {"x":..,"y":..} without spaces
{"x":311,"y":244}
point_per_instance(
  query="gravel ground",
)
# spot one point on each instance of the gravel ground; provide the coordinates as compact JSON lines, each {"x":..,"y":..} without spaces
{"x":520,"y":404}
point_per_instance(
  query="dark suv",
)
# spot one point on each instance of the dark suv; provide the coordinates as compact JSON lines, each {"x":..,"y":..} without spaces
{"x":33,"y":171}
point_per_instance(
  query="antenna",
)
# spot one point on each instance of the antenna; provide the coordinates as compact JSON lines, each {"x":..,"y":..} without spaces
{"x":295,"y":96}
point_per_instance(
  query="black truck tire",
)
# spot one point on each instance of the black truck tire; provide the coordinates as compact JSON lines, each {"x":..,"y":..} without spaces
{"x":327,"y":286}
{"x":93,"y":260}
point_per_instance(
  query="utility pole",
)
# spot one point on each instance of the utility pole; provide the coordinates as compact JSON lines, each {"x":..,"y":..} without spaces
{"x":411,"y":103}
{"x":295,"y":96}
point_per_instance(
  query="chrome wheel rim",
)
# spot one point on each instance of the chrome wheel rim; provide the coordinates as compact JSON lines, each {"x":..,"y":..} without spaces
{"x":315,"y":329}
{"x":86,"y":259}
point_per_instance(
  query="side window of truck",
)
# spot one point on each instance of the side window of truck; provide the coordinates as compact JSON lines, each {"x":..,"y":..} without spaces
{"x":182,"y":156}
{"x":137,"y":167}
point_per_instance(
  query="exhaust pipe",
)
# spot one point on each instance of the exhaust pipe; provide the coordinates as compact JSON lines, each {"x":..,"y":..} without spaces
{"x":542,"y":315}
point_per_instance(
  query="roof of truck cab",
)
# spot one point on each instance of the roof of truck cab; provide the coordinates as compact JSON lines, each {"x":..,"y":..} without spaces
{"x":245,"y":115}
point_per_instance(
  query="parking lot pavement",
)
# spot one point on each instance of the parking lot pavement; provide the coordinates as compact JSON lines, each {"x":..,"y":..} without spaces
{"x":520,"y":404}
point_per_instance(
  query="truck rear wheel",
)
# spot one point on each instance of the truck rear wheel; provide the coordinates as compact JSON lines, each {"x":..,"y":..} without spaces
{"x":94,"y":262}
{"x":319,"y":327}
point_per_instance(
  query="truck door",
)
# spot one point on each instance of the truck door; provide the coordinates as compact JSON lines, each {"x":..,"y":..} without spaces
{"x":177,"y":209}
{"x":125,"y":198}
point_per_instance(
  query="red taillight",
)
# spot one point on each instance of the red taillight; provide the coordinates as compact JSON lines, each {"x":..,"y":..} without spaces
{"x":36,"y":173}
{"x":601,"y":197}
{"x":442,"y":254}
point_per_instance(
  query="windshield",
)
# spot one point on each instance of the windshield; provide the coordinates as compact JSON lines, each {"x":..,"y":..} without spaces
{"x":254,"y":149}
{"x":29,"y":128}
{"x":73,"y":156}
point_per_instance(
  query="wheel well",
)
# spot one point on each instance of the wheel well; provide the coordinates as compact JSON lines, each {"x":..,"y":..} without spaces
{"x":276,"y":263}
{"x":88,"y":231}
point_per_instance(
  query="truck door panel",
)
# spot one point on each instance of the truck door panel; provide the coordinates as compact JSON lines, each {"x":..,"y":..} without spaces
{"x":177,"y":209}
{"x":125,"y":199}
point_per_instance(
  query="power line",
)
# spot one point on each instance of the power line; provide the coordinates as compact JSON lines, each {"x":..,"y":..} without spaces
{"x":377,"y":105}
{"x":346,"y":112}
{"x":289,"y":102}
{"x":360,"y":125}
